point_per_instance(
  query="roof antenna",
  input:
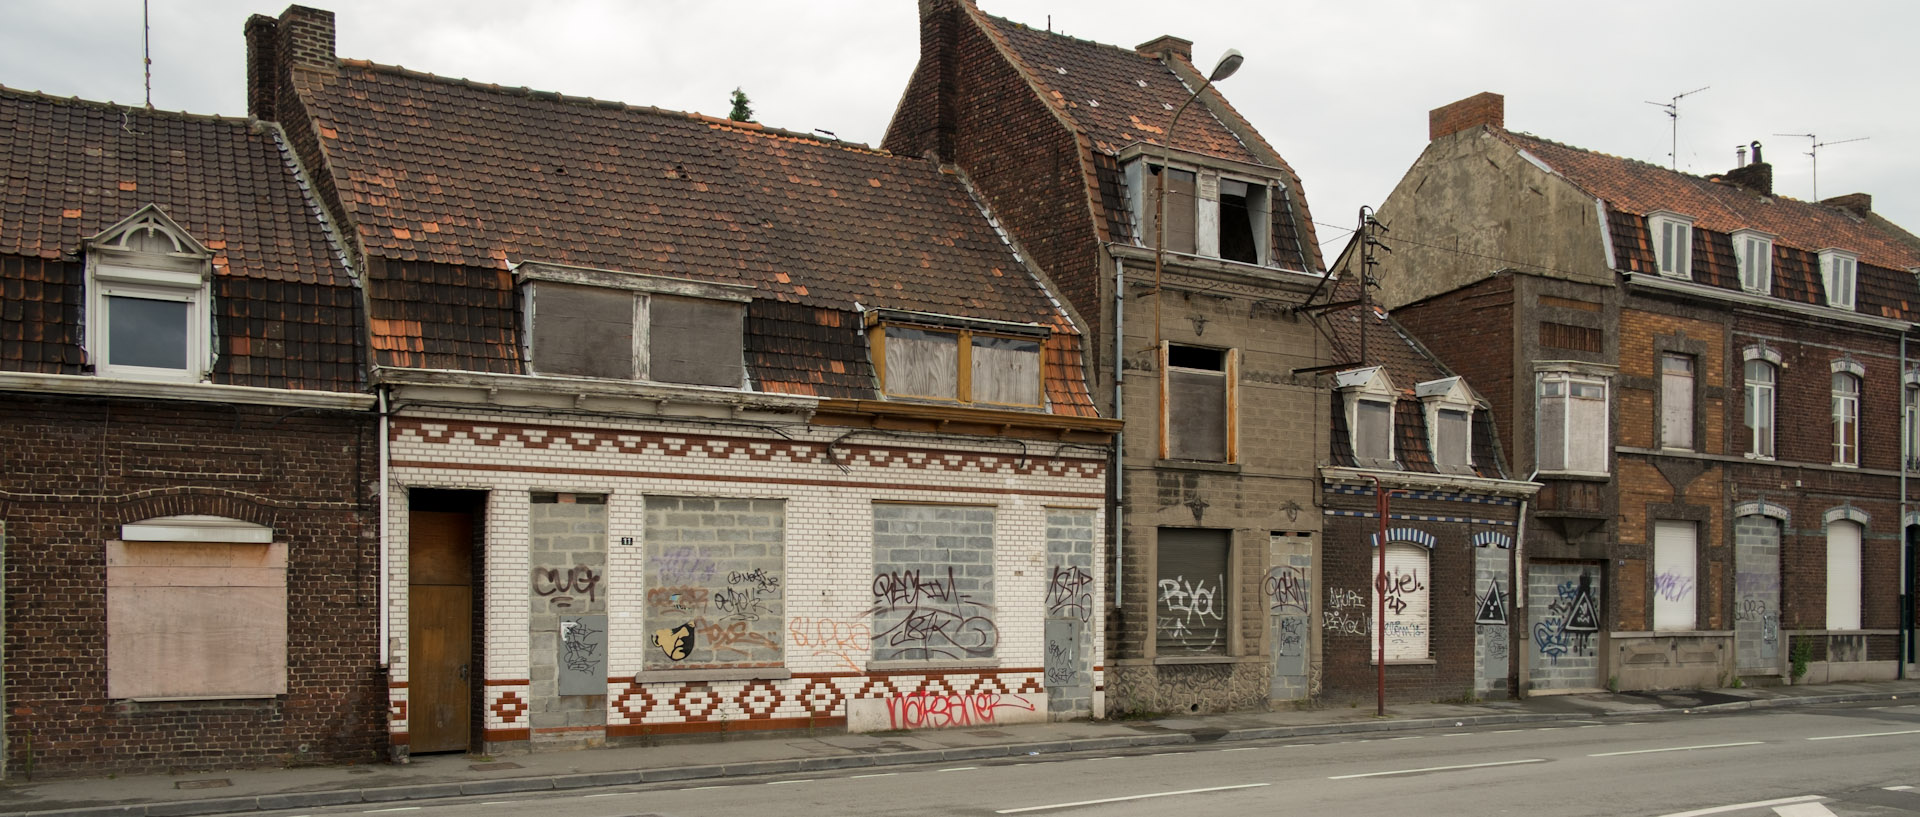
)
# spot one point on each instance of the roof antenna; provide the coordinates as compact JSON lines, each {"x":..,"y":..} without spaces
{"x":1814,"y":152}
{"x":1673,"y":112}
{"x":146,"y":48}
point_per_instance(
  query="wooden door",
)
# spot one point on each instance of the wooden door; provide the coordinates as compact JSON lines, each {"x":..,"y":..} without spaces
{"x":439,"y":631}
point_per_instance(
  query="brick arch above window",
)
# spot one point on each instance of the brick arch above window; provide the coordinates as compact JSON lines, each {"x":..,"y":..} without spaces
{"x":1492,"y":537}
{"x":1411,"y":536}
{"x":1850,"y":366}
{"x":1847,"y":513}
{"x":190,"y":502}
{"x":1763,"y":508}
{"x":1761,"y":351}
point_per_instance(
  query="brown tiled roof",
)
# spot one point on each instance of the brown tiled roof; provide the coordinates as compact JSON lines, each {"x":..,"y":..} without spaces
{"x":438,"y":175}
{"x":285,"y":310}
{"x":1637,"y":188}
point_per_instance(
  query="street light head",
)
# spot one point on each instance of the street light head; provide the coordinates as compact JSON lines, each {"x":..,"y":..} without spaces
{"x":1229,"y":63}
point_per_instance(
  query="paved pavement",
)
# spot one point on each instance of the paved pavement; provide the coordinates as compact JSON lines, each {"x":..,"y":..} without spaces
{"x":753,"y":754}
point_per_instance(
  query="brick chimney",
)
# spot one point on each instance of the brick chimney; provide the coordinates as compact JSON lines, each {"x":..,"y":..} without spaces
{"x":1166,"y":47}
{"x":1484,"y":108}
{"x":302,"y":37}
{"x":1859,"y":204}
{"x":1756,"y":175}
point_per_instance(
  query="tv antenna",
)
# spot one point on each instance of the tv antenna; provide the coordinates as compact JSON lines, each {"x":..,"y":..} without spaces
{"x":1814,"y":153}
{"x":146,"y":48}
{"x":1673,"y":112}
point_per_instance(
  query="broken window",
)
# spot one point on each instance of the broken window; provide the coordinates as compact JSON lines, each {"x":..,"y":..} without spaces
{"x":962,"y":365}
{"x":589,"y":323}
{"x":1208,"y":214}
{"x":1191,"y":598}
{"x":196,"y":608}
{"x":1571,"y":434}
{"x":1198,"y":400}
{"x":1676,"y":401}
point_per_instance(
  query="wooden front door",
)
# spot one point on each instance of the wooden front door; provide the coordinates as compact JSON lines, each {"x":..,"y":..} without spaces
{"x":439,"y":631}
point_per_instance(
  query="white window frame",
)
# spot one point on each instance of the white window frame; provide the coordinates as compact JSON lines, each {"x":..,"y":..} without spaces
{"x":1544,"y":383}
{"x":1840,"y":277}
{"x":1369,"y":386}
{"x":1753,"y":254}
{"x":116,"y":268}
{"x":1846,"y":540}
{"x":1846,"y":412}
{"x":530,"y":275}
{"x":1677,"y":402}
{"x":1672,"y":237}
{"x":1760,"y":440}
{"x":1143,"y":188}
{"x":1449,"y":394}
{"x":1910,"y":419}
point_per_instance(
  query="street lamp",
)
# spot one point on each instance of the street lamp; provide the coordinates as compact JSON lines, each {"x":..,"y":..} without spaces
{"x":1229,"y":63}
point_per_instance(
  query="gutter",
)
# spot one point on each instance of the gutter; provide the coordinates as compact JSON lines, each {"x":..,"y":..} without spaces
{"x":1657,"y":282}
{"x":93,"y":386}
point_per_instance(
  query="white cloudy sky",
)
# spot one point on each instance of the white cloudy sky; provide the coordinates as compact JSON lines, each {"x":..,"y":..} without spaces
{"x":1342,"y":88}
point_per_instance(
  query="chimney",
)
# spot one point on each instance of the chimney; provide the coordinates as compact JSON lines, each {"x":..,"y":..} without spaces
{"x":1859,"y":204}
{"x":1166,"y":47}
{"x":936,"y":131}
{"x":1484,"y":108}
{"x":301,"y":38}
{"x":1756,"y":175}
{"x":1740,"y":156}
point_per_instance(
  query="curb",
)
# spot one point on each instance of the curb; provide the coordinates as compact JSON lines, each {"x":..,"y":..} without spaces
{"x":427,"y":791}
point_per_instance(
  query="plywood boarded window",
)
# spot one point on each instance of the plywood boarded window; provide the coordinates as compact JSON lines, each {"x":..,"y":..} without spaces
{"x":1373,"y":429}
{"x":1199,"y":401}
{"x":694,"y":341}
{"x":1843,"y":575}
{"x":1191,"y":597}
{"x":583,"y":331}
{"x":196,"y":619}
{"x":1180,"y":204}
{"x":1675,"y":575}
{"x":1676,"y":401}
{"x":619,"y":334}
{"x":961,"y":365}
{"x":1453,"y":440}
{"x":1408,"y":602}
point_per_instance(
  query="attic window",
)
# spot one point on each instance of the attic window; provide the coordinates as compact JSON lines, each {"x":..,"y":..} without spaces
{"x":618,"y":326}
{"x":1839,"y":273}
{"x":1753,"y":254}
{"x":1368,"y":398}
{"x":1209,"y":213}
{"x":1449,"y":412}
{"x":957,"y":361}
{"x":1672,"y":243}
{"x":148,"y":296}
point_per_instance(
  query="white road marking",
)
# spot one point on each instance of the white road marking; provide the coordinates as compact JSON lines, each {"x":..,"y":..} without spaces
{"x":702,"y":788}
{"x":1409,"y":737}
{"x":879,"y":774}
{"x":1869,"y":735}
{"x":1439,"y":768}
{"x":1595,"y":723}
{"x":386,"y":810}
{"x":1739,"y":806}
{"x":1130,"y":797}
{"x":958,"y":769}
{"x":785,"y":782}
{"x":1507,"y":731}
{"x":1593,"y":726}
{"x":1238,"y":749}
{"x":611,"y":794}
{"x":1803,"y":810}
{"x":1899,"y":788}
{"x":1456,"y":734}
{"x":1679,"y":748}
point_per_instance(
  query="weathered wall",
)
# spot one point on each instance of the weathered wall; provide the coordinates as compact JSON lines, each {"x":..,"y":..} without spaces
{"x":1071,"y":605}
{"x":1564,"y":600}
{"x":567,"y":616}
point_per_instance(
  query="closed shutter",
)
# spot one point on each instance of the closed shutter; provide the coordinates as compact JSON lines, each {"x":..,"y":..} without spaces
{"x":582,"y":331}
{"x":1191,"y":597}
{"x":1587,"y":427}
{"x":1408,"y":602}
{"x":1843,"y":575}
{"x":690,"y":340}
{"x":1674,"y":575}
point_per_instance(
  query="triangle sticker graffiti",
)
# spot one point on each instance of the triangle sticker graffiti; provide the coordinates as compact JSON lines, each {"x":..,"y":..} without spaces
{"x":1583,"y":618}
{"x":1493,"y":606}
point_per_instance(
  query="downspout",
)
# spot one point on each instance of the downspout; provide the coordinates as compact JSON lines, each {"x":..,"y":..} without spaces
{"x":1516,"y":568}
{"x":1118,"y":502}
{"x":386,"y":524}
{"x":1906,"y":538}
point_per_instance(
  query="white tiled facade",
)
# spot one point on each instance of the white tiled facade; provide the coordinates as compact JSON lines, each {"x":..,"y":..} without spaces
{"x":828,"y":479}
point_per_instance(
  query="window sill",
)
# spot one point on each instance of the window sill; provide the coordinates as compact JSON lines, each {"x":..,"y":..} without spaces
{"x":1172,"y":661}
{"x":263,"y":696}
{"x":1848,"y":465}
{"x":932,"y":664}
{"x":1672,"y":634}
{"x":657,"y":676}
{"x":1579,"y":476}
{"x":1405,"y":662}
{"x":1758,"y":457}
{"x":1198,"y":465}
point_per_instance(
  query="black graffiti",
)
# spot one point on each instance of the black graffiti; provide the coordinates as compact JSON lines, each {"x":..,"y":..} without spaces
{"x":936,"y":620}
{"x":560,"y":585}
{"x":579,"y":652}
{"x":1068,"y":593}
{"x":743,"y":604}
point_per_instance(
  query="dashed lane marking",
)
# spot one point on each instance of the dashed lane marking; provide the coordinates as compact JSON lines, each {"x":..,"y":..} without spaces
{"x":1702,"y":812}
{"x":1678,"y":748}
{"x":1127,"y":798}
{"x":1439,"y":768}
{"x":1868,"y":735}
{"x":877,"y":774}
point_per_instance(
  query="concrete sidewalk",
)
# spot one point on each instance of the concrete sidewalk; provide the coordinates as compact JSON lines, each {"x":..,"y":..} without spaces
{"x":435,"y":776}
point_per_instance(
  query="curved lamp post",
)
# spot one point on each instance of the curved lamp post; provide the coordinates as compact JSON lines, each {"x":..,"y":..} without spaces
{"x":1229,"y":63}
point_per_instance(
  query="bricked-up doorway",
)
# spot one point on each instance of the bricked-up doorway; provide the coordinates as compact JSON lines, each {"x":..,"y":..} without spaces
{"x":441,"y":630}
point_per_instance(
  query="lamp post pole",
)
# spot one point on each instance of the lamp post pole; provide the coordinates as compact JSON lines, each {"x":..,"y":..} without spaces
{"x":1229,"y":63}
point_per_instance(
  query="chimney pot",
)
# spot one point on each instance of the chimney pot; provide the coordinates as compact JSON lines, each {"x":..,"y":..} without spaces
{"x":1484,"y":108}
{"x":1740,"y":156}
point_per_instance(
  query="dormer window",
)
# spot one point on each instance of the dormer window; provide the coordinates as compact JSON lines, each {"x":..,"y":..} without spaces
{"x":1839,"y":273}
{"x":149,"y":286}
{"x":1753,"y":254}
{"x":1211,"y":212}
{"x":1368,"y":398}
{"x":624,"y":326}
{"x":1672,"y":243}
{"x":936,"y":357}
{"x":1449,"y":412}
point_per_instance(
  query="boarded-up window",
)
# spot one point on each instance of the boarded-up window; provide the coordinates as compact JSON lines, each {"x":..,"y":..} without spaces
{"x":1453,"y":439}
{"x":1675,"y":575}
{"x":1408,"y":601}
{"x":1373,"y":429}
{"x":923,"y":363}
{"x":1191,"y":600}
{"x":1180,"y":204}
{"x":1843,"y":575}
{"x":1006,"y":371}
{"x":932,"y":586}
{"x":583,"y":331}
{"x":196,"y":619}
{"x":1676,"y":401}
{"x":694,"y":341}
{"x":1572,"y":424}
{"x":1197,"y":393}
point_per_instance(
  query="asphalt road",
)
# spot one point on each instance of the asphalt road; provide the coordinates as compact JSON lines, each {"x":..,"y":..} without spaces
{"x":1859,"y":760}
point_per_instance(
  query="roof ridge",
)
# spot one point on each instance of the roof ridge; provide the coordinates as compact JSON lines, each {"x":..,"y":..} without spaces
{"x":1069,"y":37}
{"x":1717,"y":179}
{"x":244,"y":121}
{"x":614,"y":104}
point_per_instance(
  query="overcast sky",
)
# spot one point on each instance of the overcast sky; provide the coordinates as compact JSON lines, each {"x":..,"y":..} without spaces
{"x":1342,"y":88}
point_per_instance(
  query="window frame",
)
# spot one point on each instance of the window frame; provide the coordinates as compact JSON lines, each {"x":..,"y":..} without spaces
{"x":1659,"y":224}
{"x":1678,"y":402}
{"x":1141,"y":171}
{"x":1370,"y":387}
{"x":1398,"y":550}
{"x":1605,"y":401}
{"x":1910,"y":419}
{"x":1747,"y":246}
{"x":964,"y":332}
{"x":1438,"y":397}
{"x":1230,"y":376}
{"x":1840,"y":276}
{"x":1669,"y":552}
{"x":643,"y":289}
{"x":1845,"y":412}
{"x":117,"y":268}
{"x":1759,"y":447}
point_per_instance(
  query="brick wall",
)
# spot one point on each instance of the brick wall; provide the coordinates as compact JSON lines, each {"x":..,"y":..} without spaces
{"x":1484,"y":108}
{"x":76,"y":470}
{"x":1471,"y":330}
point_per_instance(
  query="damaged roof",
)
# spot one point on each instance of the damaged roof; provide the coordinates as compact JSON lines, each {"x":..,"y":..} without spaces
{"x":286,"y":314}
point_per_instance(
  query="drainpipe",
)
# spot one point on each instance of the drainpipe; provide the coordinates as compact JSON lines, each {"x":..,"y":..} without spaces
{"x":386,"y":524}
{"x":1380,"y":599}
{"x":1517,"y":580}
{"x":1119,"y":437}
{"x":1906,"y":539}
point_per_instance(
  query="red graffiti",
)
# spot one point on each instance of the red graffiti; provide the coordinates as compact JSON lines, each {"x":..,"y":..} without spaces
{"x":922,"y":711}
